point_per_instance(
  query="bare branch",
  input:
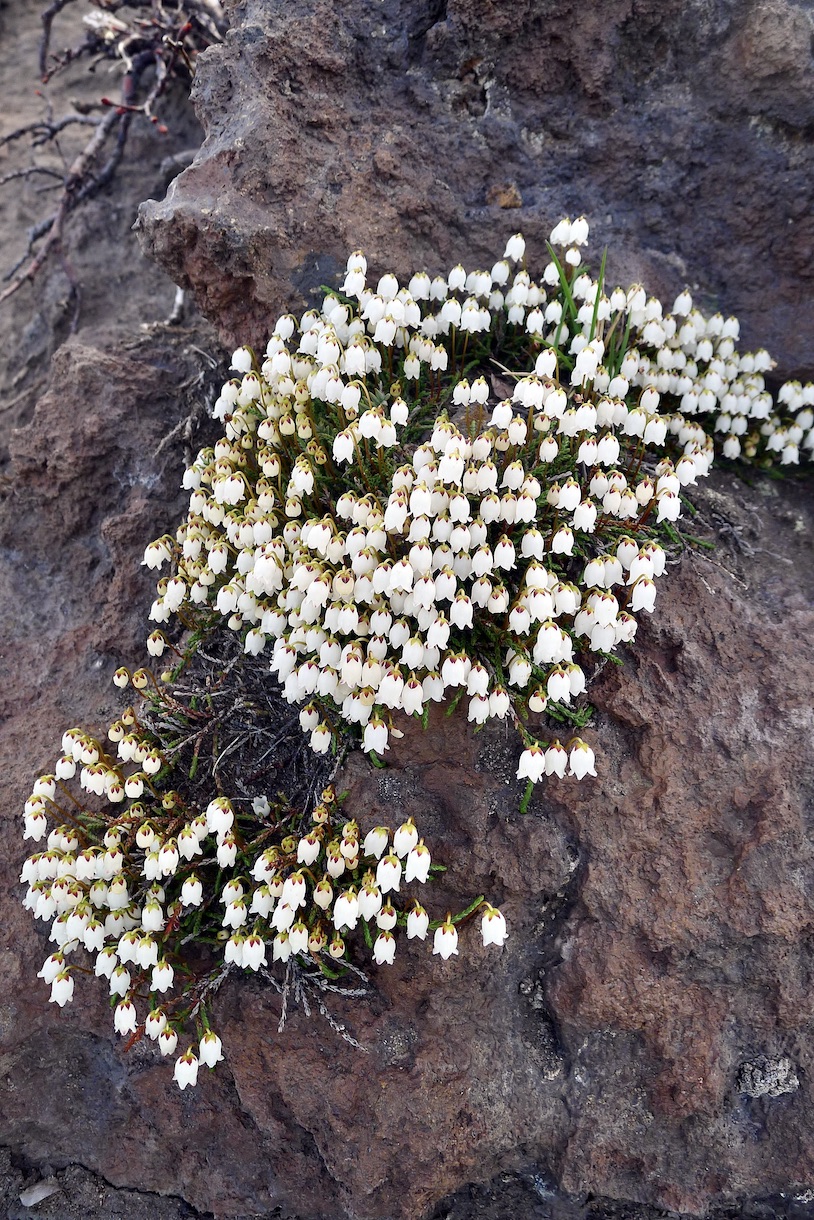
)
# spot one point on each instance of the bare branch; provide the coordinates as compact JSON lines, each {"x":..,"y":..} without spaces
{"x":43,"y":131}
{"x":95,"y":182}
{"x":52,"y":240}
{"x":70,"y":196}
{"x":27,"y":171}
{"x":33,"y":236}
{"x":50,"y":131}
{"x":140,"y":34}
{"x":47,"y":21}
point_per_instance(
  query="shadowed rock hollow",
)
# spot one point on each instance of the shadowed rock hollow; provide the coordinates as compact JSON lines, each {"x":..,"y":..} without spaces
{"x":644,"y":1040}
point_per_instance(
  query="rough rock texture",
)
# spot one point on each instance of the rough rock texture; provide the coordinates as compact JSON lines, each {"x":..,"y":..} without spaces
{"x":74,"y":1192}
{"x":660,"y":917}
{"x":689,"y":943}
{"x":100,"y":277}
{"x":427,"y":132}
{"x":642,"y":1046}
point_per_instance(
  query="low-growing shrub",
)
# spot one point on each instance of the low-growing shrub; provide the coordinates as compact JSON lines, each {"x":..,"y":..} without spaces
{"x":460,"y":489}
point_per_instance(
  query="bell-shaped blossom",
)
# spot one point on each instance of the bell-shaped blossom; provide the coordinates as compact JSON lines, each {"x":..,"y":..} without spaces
{"x":210,"y":1049}
{"x":62,"y":988}
{"x":581,"y":759}
{"x":405,"y":838}
{"x":445,"y":943}
{"x":532,"y":763}
{"x":388,"y":873}
{"x":418,"y":922}
{"x":346,"y":910}
{"x":493,"y":927}
{"x":417,"y":865}
{"x":384,"y":949}
{"x":186,"y":1070}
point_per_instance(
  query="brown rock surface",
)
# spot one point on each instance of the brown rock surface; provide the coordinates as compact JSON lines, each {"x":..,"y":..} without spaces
{"x":682,"y":130}
{"x":690,"y":937}
{"x":676,"y":951}
{"x":645,"y":1035}
{"x":660,"y":914}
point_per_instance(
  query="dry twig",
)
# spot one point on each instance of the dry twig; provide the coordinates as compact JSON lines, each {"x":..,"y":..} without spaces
{"x":156,"y":42}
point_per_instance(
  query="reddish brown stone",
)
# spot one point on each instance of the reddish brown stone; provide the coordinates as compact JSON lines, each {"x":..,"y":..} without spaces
{"x":659,"y":961}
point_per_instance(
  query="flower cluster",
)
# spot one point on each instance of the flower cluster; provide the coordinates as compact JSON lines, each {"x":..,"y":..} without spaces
{"x":453,"y":489}
{"x":127,"y":883}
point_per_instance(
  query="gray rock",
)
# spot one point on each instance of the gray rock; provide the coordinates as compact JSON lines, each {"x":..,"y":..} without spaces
{"x":428,"y":132}
{"x":764,"y":1077}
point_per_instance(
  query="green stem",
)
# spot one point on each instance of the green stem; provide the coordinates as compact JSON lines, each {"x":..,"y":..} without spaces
{"x":599,"y":285}
{"x":473,"y":906}
{"x":566,"y":287}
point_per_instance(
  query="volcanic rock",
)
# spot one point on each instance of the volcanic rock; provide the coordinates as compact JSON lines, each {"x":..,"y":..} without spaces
{"x":427,"y":132}
{"x":643,"y":1041}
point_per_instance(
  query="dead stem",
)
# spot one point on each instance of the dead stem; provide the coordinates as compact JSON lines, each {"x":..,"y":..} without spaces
{"x":146,"y":34}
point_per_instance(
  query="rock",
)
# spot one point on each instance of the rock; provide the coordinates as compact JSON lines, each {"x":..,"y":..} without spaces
{"x":456,"y":1062}
{"x":35,"y":1194}
{"x":764,"y":1077}
{"x":660,"y":915}
{"x":707,"y":945}
{"x":99,"y":276}
{"x":88,"y":484}
{"x":681,"y":946}
{"x":682,"y":130}
{"x":76,"y":1194}
{"x":658,"y":937}
{"x":667,"y":905}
